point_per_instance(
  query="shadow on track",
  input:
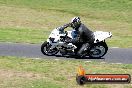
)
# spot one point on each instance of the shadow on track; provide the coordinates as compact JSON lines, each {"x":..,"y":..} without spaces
{"x":74,"y":57}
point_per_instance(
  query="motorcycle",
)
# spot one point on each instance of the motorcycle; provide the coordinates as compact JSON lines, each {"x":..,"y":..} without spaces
{"x":56,"y":43}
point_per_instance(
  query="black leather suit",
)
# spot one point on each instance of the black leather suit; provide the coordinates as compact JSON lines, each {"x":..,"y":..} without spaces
{"x":84,"y":39}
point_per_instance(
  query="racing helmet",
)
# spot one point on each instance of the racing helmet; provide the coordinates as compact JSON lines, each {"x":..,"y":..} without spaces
{"x":75,"y":22}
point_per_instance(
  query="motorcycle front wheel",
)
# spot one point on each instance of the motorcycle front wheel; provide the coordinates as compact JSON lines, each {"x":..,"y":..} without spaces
{"x":98,"y":50}
{"x":46,"y":49}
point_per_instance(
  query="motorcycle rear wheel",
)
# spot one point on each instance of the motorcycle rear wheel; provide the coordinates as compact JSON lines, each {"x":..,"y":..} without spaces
{"x":98,"y":50}
{"x":45,"y":49}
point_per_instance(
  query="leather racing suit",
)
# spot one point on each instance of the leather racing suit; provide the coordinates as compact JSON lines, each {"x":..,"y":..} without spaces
{"x":84,"y":39}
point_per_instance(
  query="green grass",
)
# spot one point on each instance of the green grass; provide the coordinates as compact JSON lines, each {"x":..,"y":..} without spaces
{"x":74,"y":4}
{"x":23,"y":35}
{"x":48,"y":73}
{"x":45,"y":15}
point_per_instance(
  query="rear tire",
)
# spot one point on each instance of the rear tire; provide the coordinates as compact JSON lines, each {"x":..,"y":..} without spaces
{"x":45,"y":49}
{"x":98,"y":50}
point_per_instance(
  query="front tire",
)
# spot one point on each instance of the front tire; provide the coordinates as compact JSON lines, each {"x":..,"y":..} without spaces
{"x":45,"y":49}
{"x":98,"y":50}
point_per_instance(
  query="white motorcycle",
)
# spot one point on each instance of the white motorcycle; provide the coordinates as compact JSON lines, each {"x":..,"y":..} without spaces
{"x":56,"y":43}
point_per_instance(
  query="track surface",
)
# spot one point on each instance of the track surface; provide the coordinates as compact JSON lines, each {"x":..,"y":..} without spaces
{"x":114,"y":55}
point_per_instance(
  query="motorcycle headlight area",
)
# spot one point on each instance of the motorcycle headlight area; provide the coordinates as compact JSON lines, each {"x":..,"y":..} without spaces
{"x":52,"y":39}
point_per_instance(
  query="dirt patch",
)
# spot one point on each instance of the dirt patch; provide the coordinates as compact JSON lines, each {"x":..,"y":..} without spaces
{"x":10,"y":73}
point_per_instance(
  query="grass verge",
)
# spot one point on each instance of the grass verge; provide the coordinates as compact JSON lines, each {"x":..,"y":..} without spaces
{"x":23,"y":35}
{"x":46,"y":73}
{"x":44,"y":15}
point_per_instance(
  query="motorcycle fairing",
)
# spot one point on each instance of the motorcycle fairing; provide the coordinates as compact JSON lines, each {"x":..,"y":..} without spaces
{"x":101,"y":36}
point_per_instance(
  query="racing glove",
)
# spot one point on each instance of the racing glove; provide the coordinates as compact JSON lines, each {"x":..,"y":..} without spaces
{"x":65,"y":26}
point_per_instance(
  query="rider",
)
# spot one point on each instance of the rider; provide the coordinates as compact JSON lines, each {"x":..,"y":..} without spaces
{"x":84,"y":38}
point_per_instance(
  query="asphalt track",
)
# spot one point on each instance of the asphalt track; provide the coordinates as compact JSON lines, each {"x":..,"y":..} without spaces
{"x":114,"y":55}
